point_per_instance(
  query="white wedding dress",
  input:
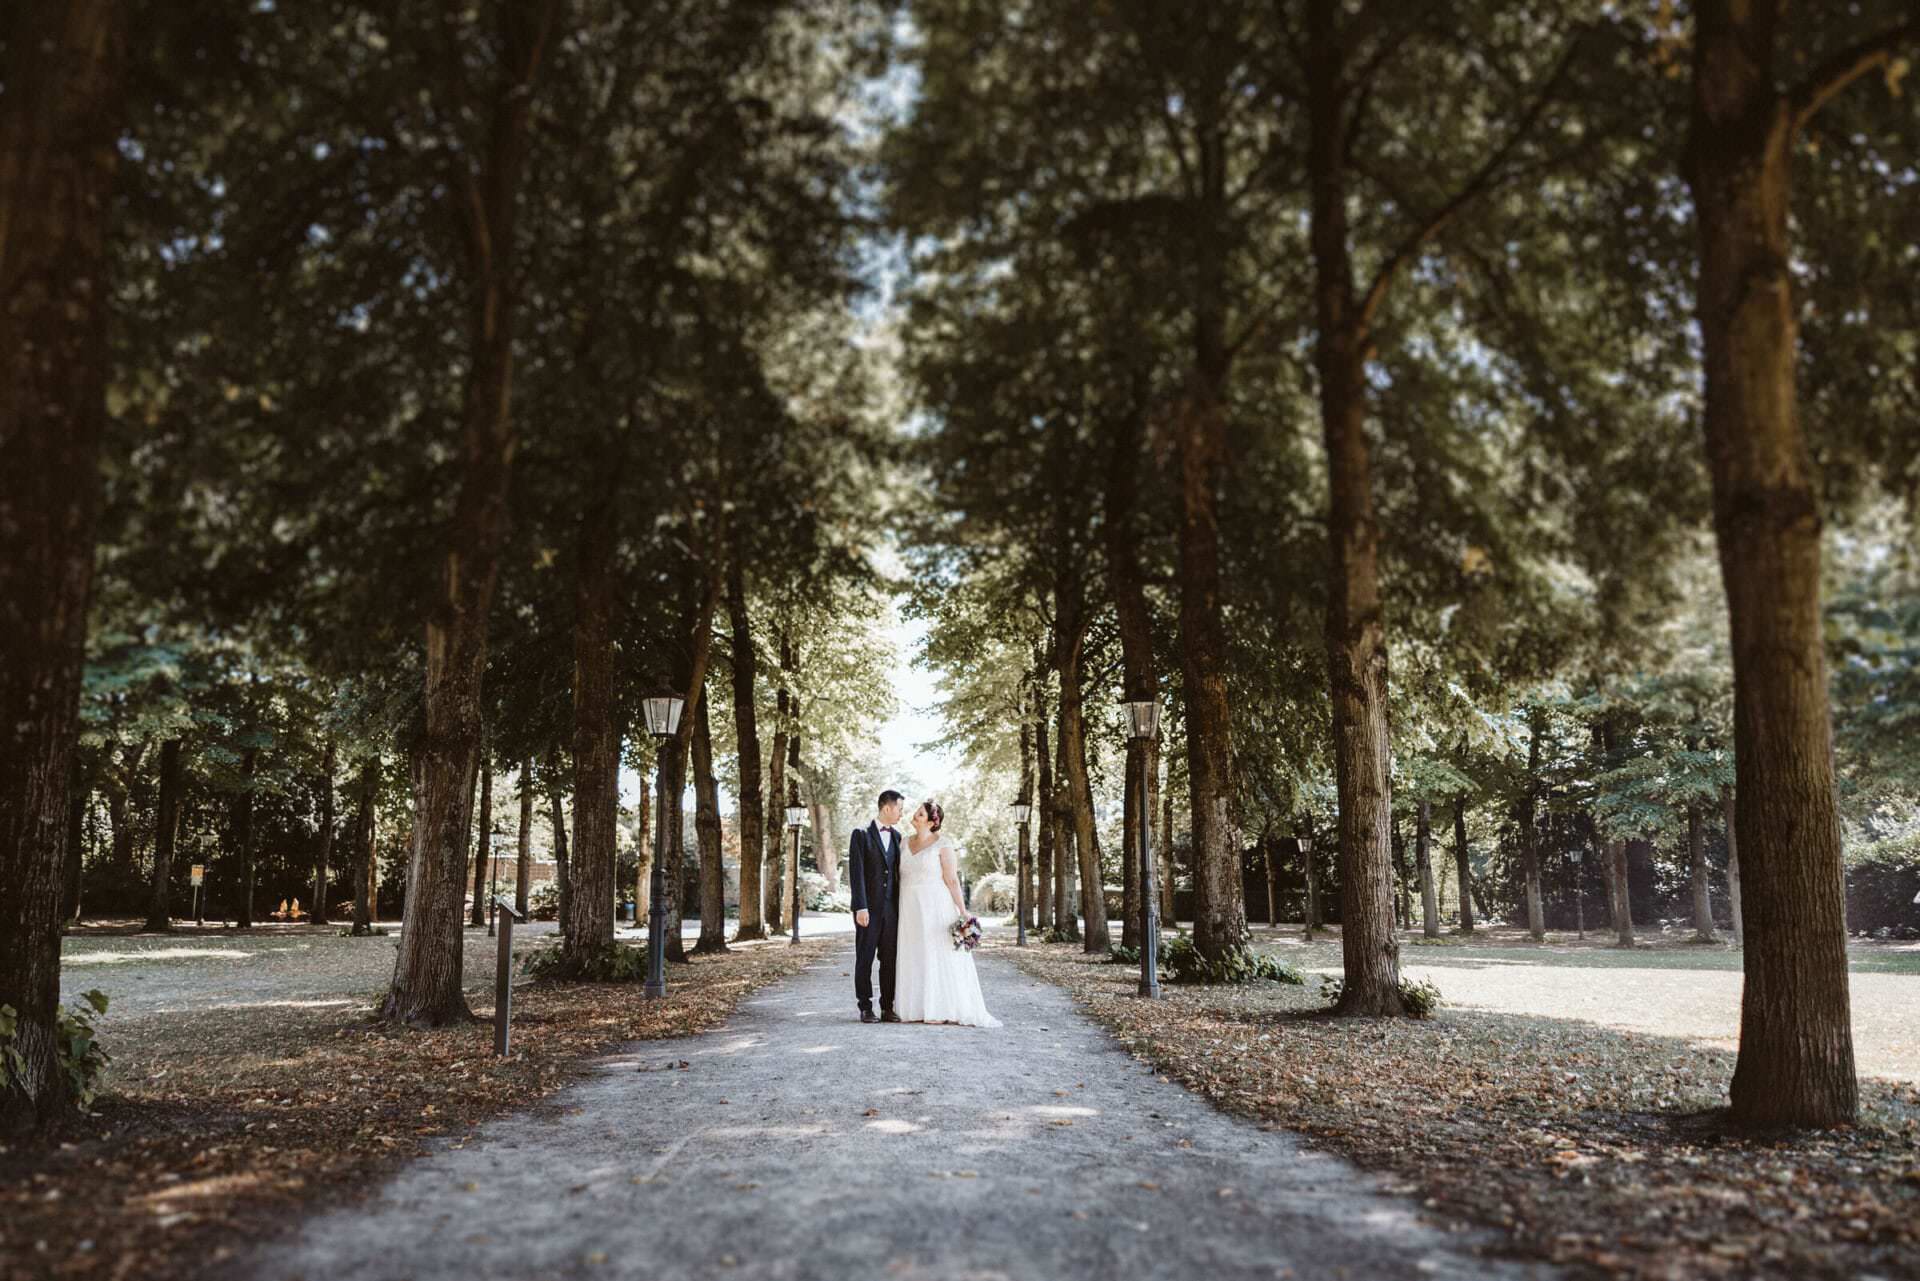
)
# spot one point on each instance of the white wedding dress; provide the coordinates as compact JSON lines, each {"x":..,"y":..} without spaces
{"x":934,"y":981}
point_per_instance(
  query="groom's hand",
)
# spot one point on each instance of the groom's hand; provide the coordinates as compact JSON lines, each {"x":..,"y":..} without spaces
{"x":860,"y":918}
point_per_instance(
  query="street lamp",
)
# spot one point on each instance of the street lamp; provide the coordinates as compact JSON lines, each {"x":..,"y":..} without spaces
{"x":1305,"y":842}
{"x":1022,"y":810}
{"x":663,"y":721}
{"x":1579,"y":900}
{"x":495,"y":840}
{"x":796,"y":816}
{"x":1143,"y":727}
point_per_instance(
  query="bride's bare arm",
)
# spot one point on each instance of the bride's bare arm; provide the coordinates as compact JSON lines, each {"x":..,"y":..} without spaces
{"x":952,"y":878}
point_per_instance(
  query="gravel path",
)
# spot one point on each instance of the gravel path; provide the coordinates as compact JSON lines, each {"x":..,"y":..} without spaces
{"x":796,"y":1142}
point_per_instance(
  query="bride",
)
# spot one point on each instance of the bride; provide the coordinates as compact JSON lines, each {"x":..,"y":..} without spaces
{"x":935,"y":981}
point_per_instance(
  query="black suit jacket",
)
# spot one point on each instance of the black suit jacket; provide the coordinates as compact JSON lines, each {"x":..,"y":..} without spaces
{"x":876,"y":872}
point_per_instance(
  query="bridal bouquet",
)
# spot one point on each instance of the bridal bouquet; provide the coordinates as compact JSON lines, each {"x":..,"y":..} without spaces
{"x":966,"y":932}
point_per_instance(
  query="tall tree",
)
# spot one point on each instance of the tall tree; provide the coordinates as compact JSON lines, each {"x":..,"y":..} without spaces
{"x":325,"y":851}
{"x":59,"y":119}
{"x":747,"y":738}
{"x":706,"y":826}
{"x":1796,"y":1064}
{"x":166,"y":830}
{"x":426,"y":987}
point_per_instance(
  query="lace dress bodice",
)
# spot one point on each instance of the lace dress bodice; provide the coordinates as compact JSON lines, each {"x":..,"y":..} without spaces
{"x":922,"y":868}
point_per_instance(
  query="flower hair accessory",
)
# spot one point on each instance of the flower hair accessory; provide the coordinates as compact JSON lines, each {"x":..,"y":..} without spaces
{"x":935,"y":815}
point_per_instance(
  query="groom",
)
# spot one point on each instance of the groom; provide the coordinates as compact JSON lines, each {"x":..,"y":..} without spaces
{"x":874,"y":857}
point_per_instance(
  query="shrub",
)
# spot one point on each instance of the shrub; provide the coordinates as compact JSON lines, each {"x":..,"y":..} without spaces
{"x":612,"y":964}
{"x":543,"y":903}
{"x":994,"y":894}
{"x":1118,"y":955}
{"x":1182,"y":962}
{"x":814,"y":893}
{"x":1882,"y":879}
{"x":82,"y":1057}
{"x":1421,"y":998}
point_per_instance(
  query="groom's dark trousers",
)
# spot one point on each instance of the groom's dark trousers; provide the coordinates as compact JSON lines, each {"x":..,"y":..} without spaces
{"x":875,"y":868}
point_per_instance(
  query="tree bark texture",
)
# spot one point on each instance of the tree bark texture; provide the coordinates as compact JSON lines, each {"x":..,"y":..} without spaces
{"x":1024,"y":868}
{"x":1700,"y":877}
{"x":562,"y":856}
{"x":1733,"y":867}
{"x":64,"y":77}
{"x":1796,"y":1060}
{"x":1126,"y":584}
{"x":483,"y":837}
{"x":523,"y":865}
{"x":364,"y":845}
{"x":243,"y":837}
{"x":706,"y":826}
{"x":325,"y":854}
{"x":777,"y":794}
{"x":596,"y":750}
{"x":1619,"y":897}
{"x":426,"y":988}
{"x":1463,"y":861}
{"x":166,"y":830}
{"x":1355,"y":636}
{"x":1530,"y":829}
{"x":1423,"y":861}
{"x":1072,"y":632}
{"x":683,"y":872}
{"x":747,"y":736}
{"x":1043,"y":810}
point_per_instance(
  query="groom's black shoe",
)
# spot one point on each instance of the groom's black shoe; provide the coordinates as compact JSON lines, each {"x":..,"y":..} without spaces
{"x":868,"y":1016}
{"x":889,"y":1017}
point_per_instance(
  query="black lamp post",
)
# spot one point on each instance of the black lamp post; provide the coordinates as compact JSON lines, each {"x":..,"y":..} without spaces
{"x":1021,"y":812}
{"x":1305,"y":842}
{"x":663,"y":720}
{"x":1143,"y":726}
{"x":494,"y":841}
{"x":796,"y":816}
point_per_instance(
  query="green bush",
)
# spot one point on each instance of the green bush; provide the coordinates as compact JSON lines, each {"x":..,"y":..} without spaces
{"x":543,"y":903}
{"x":1421,"y":998}
{"x":1118,"y":955}
{"x":82,"y":1057}
{"x":1882,"y":878}
{"x":612,"y":964}
{"x":1182,"y":962}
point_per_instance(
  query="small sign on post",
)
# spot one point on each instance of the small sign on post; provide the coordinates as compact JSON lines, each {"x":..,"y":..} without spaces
{"x":503,"y":976}
{"x":199,"y":873}
{"x":199,"y":879}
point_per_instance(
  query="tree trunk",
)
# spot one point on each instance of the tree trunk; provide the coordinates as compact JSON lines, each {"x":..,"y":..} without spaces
{"x":79,"y":796}
{"x":1703,"y":931}
{"x":562,"y":856}
{"x":747,"y":736}
{"x":643,"y":865}
{"x":1796,"y":1062}
{"x":1126,"y":584}
{"x":1619,"y":898}
{"x":1310,"y":868}
{"x":1355,"y":638}
{"x":426,"y":990}
{"x":523,"y":865}
{"x":364,"y":844}
{"x":319,"y":910}
{"x":683,"y":873}
{"x":1220,"y":914}
{"x":1529,"y":829}
{"x":1423,"y":861}
{"x":1403,"y":907}
{"x":166,"y":829}
{"x":1023,"y":869}
{"x":1463,"y":861}
{"x":777,"y":796}
{"x":1071,"y":631}
{"x":706,"y":824}
{"x":796,"y":904}
{"x":483,"y":839}
{"x":59,"y":119}
{"x":588,"y":924}
{"x":1166,"y":852}
{"x":1048,"y":901}
{"x":1733,"y":866}
{"x":1067,"y":833}
{"x":243,"y":836}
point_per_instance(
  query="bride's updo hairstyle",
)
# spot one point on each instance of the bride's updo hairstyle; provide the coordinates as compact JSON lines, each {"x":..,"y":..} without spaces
{"x":935,"y":815}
